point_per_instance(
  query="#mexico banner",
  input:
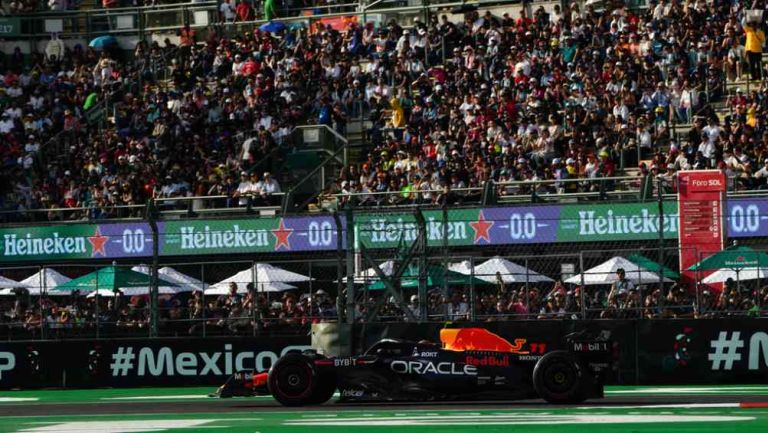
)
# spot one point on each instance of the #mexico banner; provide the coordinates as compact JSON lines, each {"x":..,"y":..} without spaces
{"x":700,"y":199}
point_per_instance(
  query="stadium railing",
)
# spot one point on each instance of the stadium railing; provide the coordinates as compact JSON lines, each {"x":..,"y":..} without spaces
{"x":158,"y":19}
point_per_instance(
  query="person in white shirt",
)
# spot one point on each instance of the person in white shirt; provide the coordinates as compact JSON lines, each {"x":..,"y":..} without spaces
{"x":244,"y":189}
{"x":268,"y":186}
{"x":762,"y":173}
{"x":36,"y":101}
{"x":711,"y":133}
{"x":55,"y":49}
{"x":237,"y":66}
{"x":400,"y":46}
{"x":6,"y":124}
{"x":227,"y":11}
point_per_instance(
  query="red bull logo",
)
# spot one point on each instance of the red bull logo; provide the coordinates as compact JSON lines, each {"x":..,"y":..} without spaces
{"x":487,"y":361}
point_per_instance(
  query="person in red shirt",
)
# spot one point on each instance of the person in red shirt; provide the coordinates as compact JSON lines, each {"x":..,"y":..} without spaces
{"x":244,"y":11}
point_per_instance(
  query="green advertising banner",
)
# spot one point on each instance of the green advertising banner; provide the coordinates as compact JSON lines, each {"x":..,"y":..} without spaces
{"x":252,"y":235}
{"x":487,"y":226}
{"x":535,"y":224}
{"x":75,"y":241}
{"x":616,"y":222}
{"x":10,"y":26}
{"x":522,"y":225}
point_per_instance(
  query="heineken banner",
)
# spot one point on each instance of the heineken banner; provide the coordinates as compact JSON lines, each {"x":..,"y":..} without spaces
{"x":533,"y":224}
{"x":76,"y":241}
{"x":522,"y":225}
{"x":254,"y":235}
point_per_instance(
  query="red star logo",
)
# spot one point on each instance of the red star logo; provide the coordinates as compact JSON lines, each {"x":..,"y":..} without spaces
{"x":281,"y":236}
{"x":482,"y":228}
{"x":97,"y":243}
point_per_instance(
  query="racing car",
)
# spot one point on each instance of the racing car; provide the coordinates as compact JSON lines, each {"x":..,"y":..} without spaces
{"x":470,"y":363}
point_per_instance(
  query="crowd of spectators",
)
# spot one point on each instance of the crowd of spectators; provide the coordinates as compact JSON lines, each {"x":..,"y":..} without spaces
{"x":180,"y":315}
{"x":571,"y":94}
{"x":238,"y":313}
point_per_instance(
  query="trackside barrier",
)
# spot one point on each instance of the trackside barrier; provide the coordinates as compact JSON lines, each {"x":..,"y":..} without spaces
{"x":679,"y":352}
{"x":134,"y":362}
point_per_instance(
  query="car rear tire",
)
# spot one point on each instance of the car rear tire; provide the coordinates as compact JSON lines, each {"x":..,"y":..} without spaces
{"x":294,"y":381}
{"x":559,"y":378}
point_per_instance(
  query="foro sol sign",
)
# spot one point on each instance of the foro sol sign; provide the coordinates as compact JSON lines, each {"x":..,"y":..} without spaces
{"x":700,"y":201}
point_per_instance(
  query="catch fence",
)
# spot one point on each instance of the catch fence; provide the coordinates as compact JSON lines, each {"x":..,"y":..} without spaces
{"x":434,"y":265}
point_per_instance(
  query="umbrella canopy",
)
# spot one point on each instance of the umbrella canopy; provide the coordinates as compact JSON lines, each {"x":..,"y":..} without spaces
{"x":462,"y":267}
{"x":14,"y":291}
{"x":45,"y":279}
{"x":605,"y":273}
{"x":744,"y":274}
{"x":242,"y":287}
{"x":102,"y":42}
{"x":272,"y":27}
{"x":111,"y":278}
{"x":370,"y":274}
{"x":183,"y":282}
{"x":510,"y":272}
{"x":265,"y":275}
{"x":8,"y":283}
{"x":646,"y":263}
{"x":733,"y":258}
{"x":435,"y":277}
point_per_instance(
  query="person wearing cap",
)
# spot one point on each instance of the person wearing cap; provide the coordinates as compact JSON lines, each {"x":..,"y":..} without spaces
{"x":268,"y":187}
{"x":754,"y":47}
{"x":244,"y":189}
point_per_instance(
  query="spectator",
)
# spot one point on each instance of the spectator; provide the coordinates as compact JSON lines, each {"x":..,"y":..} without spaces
{"x":754,"y":47}
{"x":458,"y":309}
{"x":227,"y":13}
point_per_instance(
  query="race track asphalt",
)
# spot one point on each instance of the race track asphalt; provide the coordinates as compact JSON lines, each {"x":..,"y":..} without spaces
{"x":264,"y":404}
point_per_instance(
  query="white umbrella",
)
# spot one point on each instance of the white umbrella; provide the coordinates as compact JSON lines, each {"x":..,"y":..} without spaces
{"x":370,"y":274}
{"x":510,"y":272}
{"x":265,"y":275}
{"x":8,"y":283}
{"x":45,"y":279}
{"x":184,"y":282}
{"x":462,"y":267}
{"x":744,"y":274}
{"x":222,"y":288}
{"x":605,"y":273}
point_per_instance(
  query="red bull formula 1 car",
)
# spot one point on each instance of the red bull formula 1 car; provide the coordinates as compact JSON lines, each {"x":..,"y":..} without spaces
{"x":471,"y":363}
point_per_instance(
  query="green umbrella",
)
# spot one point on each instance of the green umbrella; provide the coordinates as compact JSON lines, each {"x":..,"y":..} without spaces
{"x":111,"y":278}
{"x":436,"y":276}
{"x":733,"y":258}
{"x":646,"y":263}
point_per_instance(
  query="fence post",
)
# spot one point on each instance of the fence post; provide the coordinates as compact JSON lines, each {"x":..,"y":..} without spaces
{"x":350,"y":259}
{"x":205,"y":306}
{"x":472,"y":303}
{"x":43,"y":294}
{"x":339,"y":267}
{"x":444,"y":234}
{"x":152,"y":215}
{"x":660,"y":193}
{"x":423,"y":265}
{"x":583,"y":287}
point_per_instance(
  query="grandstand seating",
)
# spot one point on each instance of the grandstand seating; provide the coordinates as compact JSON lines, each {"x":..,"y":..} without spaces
{"x":523,"y":73}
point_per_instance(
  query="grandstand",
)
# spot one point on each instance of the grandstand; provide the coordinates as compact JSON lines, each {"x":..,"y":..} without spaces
{"x":168,"y":111}
{"x":523,"y":98}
